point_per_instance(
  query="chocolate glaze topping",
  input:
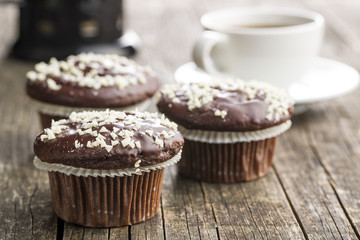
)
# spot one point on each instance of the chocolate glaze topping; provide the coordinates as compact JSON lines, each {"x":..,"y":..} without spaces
{"x":230,"y":105}
{"x":109,"y":140}
{"x":91,"y":80}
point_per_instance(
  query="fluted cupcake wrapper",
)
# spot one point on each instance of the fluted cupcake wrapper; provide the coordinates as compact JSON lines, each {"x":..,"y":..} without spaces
{"x":105,"y":198}
{"x":84,"y":172}
{"x":48,"y":111}
{"x":227,"y":163}
{"x":106,"y":201}
{"x":233,"y":137}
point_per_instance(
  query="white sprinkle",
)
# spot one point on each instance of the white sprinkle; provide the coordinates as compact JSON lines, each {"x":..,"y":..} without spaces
{"x":126,"y":141}
{"x":138,"y":144}
{"x":100,"y":136}
{"x":43,"y":137}
{"x":149,"y":132}
{"x":137,"y":126}
{"x":113,"y":135}
{"x":103,"y":129}
{"x":127,"y":123}
{"x":52,"y":84}
{"x":132,"y":144}
{"x":102,"y":143}
{"x":88,"y":131}
{"x":269,"y":116}
{"x":159,"y":142}
{"x":165,"y":134}
{"x":31,"y":75}
{"x":175,"y":100}
{"x":77,"y":144}
{"x":113,"y":143}
{"x":89,"y":145}
{"x":108,"y":148}
{"x":137,"y":164}
{"x":50,"y":134}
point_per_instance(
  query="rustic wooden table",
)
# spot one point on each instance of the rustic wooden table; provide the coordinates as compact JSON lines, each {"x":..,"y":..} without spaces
{"x":312,"y":192}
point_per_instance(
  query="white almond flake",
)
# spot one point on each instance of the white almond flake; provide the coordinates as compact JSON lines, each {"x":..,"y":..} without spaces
{"x":50,"y":134}
{"x":31,"y":75}
{"x":223,"y":114}
{"x":269,"y":116}
{"x":113,"y":143}
{"x":108,"y":148}
{"x":126,"y":141}
{"x":52,"y":85}
{"x":88,"y":131}
{"x":149,"y":132}
{"x":103,"y":129}
{"x":137,"y":164}
{"x":113,"y":135}
{"x":127,"y":123}
{"x":96,"y":143}
{"x":43,"y":137}
{"x":138,"y":144}
{"x":137,"y":126}
{"x":115,"y":129}
{"x":102,"y":143}
{"x":132,"y":144}
{"x":159,"y":142}
{"x":165,"y":134}
{"x":100,"y":136}
{"x":89,"y":144}
{"x":77,"y":144}
{"x":80,"y":132}
{"x":217,"y":112}
{"x":175,"y":100}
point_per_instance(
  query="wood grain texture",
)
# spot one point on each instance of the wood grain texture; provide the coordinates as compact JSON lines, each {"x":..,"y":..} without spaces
{"x":311,"y":193}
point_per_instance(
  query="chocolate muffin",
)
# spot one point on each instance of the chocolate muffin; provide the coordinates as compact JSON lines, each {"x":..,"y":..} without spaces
{"x":89,"y":81}
{"x":230,"y":127}
{"x":106,"y":168}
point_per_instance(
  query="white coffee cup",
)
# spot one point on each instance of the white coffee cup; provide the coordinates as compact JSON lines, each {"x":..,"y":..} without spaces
{"x":275,"y":45}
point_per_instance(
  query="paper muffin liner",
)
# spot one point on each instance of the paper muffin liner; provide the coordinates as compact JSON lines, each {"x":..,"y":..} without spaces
{"x":84,"y":172}
{"x":106,"y":201}
{"x":233,"y":137}
{"x":105,"y":198}
{"x":48,"y":111}
{"x":227,"y":163}
{"x":65,"y":111}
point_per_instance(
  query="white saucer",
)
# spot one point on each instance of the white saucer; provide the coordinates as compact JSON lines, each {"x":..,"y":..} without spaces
{"x":326,"y":79}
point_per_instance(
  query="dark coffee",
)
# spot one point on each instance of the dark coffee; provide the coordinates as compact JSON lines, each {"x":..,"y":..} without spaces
{"x":240,"y":26}
{"x":264,"y":26}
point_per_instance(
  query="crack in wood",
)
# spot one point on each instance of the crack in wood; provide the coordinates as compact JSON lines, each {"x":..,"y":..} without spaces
{"x":30,"y":210}
{"x":60,"y":229}
{"x":291,"y":205}
{"x":216,"y":223}
{"x":163,"y":216}
{"x":331,"y":182}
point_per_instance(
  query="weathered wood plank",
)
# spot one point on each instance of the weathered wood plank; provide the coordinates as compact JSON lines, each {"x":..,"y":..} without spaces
{"x":151,"y":229}
{"x":119,"y":233}
{"x":25,"y":203}
{"x":340,"y":156}
{"x":308,"y":188}
{"x":253,"y":210}
{"x":186,"y":214}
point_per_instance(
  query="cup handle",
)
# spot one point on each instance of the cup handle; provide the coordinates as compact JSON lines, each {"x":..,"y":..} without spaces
{"x":203,"y":48}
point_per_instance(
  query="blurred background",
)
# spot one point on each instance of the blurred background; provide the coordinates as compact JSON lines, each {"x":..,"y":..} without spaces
{"x":39,"y":29}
